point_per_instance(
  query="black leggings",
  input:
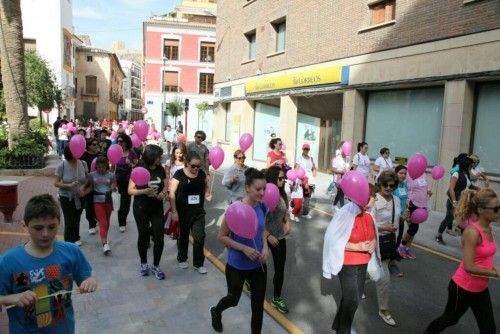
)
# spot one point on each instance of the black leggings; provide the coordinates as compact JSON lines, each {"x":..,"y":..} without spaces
{"x":89,"y":210}
{"x":148,"y":216}
{"x":72,"y":217}
{"x":459,"y":301}
{"x":257,"y":278}
{"x":125,"y":200}
{"x":279,"y":259}
{"x":339,"y":197}
{"x":448,"y":219}
{"x":412,"y":228}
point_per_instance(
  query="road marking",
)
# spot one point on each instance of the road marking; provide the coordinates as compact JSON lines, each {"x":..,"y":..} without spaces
{"x":23,"y":234}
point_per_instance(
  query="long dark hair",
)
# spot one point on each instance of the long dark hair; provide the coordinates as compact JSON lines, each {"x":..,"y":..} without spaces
{"x":151,"y":153}
{"x":272,"y":174}
{"x":252,"y":174}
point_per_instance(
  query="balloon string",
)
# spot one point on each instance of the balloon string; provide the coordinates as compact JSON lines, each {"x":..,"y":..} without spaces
{"x":255,"y":245}
{"x":59,"y":293}
{"x":212,"y":184}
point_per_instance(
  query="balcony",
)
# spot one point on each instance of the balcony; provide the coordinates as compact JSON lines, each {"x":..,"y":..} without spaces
{"x":89,"y":92}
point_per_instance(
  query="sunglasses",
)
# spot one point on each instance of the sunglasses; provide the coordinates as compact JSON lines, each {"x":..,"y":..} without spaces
{"x":195,"y":166}
{"x":281,"y":178}
{"x":494,"y":208}
{"x":305,"y":149}
{"x":200,"y":137}
{"x":241,"y":158}
{"x":388,"y":185}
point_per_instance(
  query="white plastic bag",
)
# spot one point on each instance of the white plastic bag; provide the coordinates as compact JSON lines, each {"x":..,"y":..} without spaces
{"x":374,"y":268}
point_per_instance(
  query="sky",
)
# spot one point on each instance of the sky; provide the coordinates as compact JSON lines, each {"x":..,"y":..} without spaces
{"x":108,"y":20}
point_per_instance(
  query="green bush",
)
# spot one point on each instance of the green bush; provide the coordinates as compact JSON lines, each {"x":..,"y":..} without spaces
{"x":28,"y":153}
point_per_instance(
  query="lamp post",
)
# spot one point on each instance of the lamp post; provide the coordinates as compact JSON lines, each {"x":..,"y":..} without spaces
{"x":163,"y":106}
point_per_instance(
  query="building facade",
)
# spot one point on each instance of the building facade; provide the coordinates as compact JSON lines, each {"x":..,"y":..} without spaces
{"x":131,"y":107}
{"x":178,"y":55}
{"x":48,"y":28}
{"x":413,"y":76}
{"x":99,"y":84}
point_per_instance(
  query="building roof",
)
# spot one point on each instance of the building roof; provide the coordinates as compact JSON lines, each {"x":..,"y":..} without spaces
{"x":91,"y":49}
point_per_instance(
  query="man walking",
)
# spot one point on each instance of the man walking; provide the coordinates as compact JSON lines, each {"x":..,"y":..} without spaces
{"x":169,"y":136}
{"x":200,"y":148}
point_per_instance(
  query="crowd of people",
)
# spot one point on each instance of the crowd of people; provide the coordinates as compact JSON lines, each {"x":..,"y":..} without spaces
{"x":179,"y":181}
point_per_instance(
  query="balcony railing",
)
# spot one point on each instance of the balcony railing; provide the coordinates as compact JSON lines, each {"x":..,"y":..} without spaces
{"x":87,"y":92}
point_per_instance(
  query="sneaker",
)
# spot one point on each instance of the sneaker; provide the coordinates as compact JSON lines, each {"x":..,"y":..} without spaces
{"x":183,"y":265}
{"x":216,"y":320}
{"x":158,"y":273}
{"x":92,"y":231}
{"x":279,"y":304}
{"x":308,"y":216}
{"x":122,"y":229}
{"x":439,"y":240}
{"x":394,"y":270}
{"x":292,"y":216}
{"x":78,"y":243}
{"x":296,"y":219}
{"x":451,"y":232}
{"x":402,"y":250}
{"x":387,"y":318}
{"x":105,"y":249}
{"x":363,"y":296}
{"x":410,"y":254}
{"x":144,"y":269}
{"x":202,"y":270}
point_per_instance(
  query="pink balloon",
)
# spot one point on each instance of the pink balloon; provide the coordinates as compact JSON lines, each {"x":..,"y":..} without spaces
{"x":246,"y":140}
{"x":355,"y":186}
{"x":291,"y":175}
{"x":64,"y":126}
{"x":115,"y":152}
{"x":300,"y":173}
{"x":140,"y":176}
{"x":93,"y":167}
{"x":417,"y":165}
{"x":216,"y":156}
{"x":283,"y":147}
{"x":419,"y":216}
{"x":437,"y":172}
{"x":141,"y":129}
{"x":181,"y":138}
{"x":113,"y":134}
{"x":347,"y":148}
{"x":156,"y":135}
{"x":136,"y":142}
{"x":271,"y":196}
{"x":242,"y":220}
{"x":71,"y":124}
{"x":77,"y":146}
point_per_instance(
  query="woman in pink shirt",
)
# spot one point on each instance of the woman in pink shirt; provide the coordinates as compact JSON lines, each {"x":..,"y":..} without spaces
{"x":469,"y":285}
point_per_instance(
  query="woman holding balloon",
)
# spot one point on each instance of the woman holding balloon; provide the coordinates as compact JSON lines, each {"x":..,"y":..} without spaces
{"x":243,"y":233}
{"x":123,"y":168}
{"x":234,"y":177}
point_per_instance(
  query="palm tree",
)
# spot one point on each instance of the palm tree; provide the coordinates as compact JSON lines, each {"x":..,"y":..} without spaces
{"x":12,"y":62}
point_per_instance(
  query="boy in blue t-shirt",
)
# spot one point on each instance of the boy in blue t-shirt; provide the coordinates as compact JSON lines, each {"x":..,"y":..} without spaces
{"x":43,"y":267}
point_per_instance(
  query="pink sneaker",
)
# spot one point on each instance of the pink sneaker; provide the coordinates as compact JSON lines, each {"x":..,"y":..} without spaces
{"x":402,"y":250}
{"x":410,"y":254}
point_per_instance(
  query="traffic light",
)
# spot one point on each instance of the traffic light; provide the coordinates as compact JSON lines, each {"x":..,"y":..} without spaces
{"x":186,"y":104}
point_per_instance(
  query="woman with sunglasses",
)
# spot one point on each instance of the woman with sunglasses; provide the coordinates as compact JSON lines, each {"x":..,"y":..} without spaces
{"x":278,"y":227}
{"x":468,"y":287}
{"x":123,"y":170}
{"x":246,"y":258}
{"x":234,"y":177}
{"x":188,"y":189}
{"x":91,"y":153}
{"x":148,"y":210}
{"x":386,"y":212}
{"x":276,"y":157}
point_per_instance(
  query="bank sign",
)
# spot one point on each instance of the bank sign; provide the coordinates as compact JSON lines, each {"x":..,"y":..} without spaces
{"x":299,"y":78}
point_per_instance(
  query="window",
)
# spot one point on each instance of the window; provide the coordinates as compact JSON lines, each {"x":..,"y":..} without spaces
{"x":89,"y":58}
{"x":171,"y":49}
{"x":89,"y":109}
{"x":207,"y":52}
{"x":91,"y":84}
{"x":389,"y":111}
{"x":170,"y":83}
{"x":229,"y":123}
{"x":252,"y":45}
{"x":280,"y":35}
{"x":206,"y":83}
{"x":486,"y":134}
{"x":382,"y":11}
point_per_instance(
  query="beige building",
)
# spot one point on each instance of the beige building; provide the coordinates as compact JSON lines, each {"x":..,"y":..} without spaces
{"x":410,"y":75}
{"x":99,"y":84}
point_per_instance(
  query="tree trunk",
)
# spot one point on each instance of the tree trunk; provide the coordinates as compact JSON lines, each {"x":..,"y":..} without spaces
{"x":12,"y":58}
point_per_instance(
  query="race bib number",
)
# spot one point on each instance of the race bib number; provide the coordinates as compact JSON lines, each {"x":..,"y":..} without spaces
{"x":421,"y":182}
{"x":193,"y":199}
{"x":402,"y":191}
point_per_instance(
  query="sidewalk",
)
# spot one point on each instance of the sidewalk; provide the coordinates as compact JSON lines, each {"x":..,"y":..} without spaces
{"x":127,"y":303}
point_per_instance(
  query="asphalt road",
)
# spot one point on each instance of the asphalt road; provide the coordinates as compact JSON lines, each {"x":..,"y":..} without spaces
{"x":416,"y":299}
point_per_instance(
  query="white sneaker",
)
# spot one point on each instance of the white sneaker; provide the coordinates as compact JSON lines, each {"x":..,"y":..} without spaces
{"x":183,"y":265}
{"x":92,"y":231}
{"x":122,"y":229}
{"x":105,"y":249}
{"x":296,"y":219}
{"x":78,"y":243}
{"x":308,"y":216}
{"x":292,"y":216}
{"x":202,"y":270}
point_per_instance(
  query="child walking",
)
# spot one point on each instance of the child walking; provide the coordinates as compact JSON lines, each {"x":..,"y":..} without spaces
{"x":42,"y":267}
{"x":297,"y":197}
{"x":103,"y":182}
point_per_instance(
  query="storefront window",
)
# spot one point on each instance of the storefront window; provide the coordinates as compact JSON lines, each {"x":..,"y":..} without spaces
{"x":307,"y":133}
{"x":267,"y":120}
{"x":486,"y":134}
{"x":405,"y":121}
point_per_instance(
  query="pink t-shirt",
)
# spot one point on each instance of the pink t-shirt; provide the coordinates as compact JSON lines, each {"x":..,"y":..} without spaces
{"x":417,"y":190}
{"x":485,"y":253}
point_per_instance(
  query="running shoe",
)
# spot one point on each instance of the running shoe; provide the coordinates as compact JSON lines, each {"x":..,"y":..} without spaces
{"x":122,"y":229}
{"x":202,"y":270}
{"x":106,"y":249}
{"x":183,"y":265}
{"x":308,"y":216}
{"x":92,"y":231}
{"x":394,"y":270}
{"x":439,"y":240}
{"x":158,"y":273}
{"x":387,"y":318}
{"x":144,"y":269}
{"x":402,"y":250}
{"x":410,"y":254}
{"x":216,"y":320}
{"x":279,"y":304}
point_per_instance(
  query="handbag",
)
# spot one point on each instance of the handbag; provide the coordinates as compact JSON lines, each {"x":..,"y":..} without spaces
{"x":374,"y":269}
{"x":387,"y":243}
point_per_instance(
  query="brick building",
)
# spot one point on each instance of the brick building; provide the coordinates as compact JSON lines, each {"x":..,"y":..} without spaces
{"x":178,"y":61}
{"x":412,"y":75}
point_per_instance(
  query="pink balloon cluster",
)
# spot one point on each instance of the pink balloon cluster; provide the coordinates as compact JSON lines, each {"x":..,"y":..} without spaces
{"x":136,"y":141}
{"x":77,"y":146}
{"x":140,"y":176}
{"x":216,"y":156}
{"x":355,"y":187}
{"x":242,"y":220}
{"x":291,"y":175}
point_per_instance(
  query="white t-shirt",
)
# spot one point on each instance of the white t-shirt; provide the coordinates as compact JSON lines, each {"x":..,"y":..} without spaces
{"x":384,"y":164}
{"x":169,"y":135}
{"x":340,"y":163}
{"x":474,"y":172}
{"x":62,"y":134}
{"x":307,"y":166}
{"x":363,"y":163}
{"x":382,"y":211}
{"x":296,"y":191}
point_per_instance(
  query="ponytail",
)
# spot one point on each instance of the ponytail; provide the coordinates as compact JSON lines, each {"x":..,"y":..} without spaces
{"x":466,"y":206}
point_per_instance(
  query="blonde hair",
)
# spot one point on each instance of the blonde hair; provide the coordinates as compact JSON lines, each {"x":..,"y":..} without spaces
{"x":470,"y":201}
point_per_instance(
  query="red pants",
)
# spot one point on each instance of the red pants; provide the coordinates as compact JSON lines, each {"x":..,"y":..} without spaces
{"x":297,"y":206}
{"x":103,"y":213}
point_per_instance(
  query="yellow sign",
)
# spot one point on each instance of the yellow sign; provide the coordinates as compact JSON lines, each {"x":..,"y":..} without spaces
{"x":291,"y":79}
